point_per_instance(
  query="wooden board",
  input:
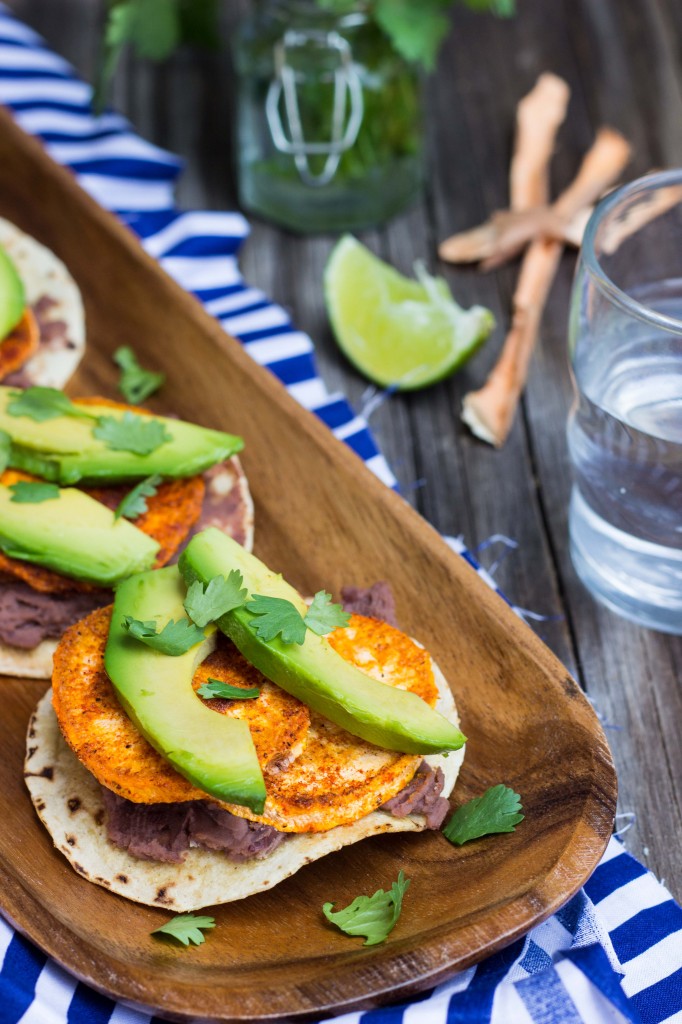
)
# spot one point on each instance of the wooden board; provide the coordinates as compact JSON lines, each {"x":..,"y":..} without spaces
{"x":322,"y":519}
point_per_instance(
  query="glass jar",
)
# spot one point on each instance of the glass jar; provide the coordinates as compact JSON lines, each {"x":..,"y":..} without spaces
{"x":329,"y":127}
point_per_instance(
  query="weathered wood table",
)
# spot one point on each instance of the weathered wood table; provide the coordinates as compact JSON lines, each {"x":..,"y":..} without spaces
{"x":624,"y":65}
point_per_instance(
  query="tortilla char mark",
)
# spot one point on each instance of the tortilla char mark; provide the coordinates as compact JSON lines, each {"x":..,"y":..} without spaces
{"x":317,"y":775}
{"x":17,"y":347}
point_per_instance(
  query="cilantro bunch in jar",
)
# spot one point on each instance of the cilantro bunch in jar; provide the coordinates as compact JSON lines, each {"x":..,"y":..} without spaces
{"x":329,"y":115}
{"x":329,"y":108}
{"x":329,"y":119}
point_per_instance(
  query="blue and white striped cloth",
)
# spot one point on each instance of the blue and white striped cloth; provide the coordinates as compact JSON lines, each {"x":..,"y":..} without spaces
{"x":614,"y":952}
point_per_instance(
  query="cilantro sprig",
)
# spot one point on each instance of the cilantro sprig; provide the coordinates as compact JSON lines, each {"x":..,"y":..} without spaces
{"x":33,"y":492}
{"x":272,"y":616}
{"x":156,"y":28}
{"x":221,"y":595}
{"x":277,"y":616}
{"x":374,"y":917}
{"x":416,"y":31}
{"x":134,"y":504}
{"x":186,"y":928}
{"x":135,"y":383}
{"x":42,"y":404}
{"x":131,"y":433}
{"x":217,"y":688}
{"x":497,"y":810}
{"x":174,"y":639}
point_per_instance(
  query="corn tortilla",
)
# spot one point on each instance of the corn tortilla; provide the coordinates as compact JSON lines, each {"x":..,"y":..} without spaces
{"x":45,"y":277}
{"x":68,"y":800}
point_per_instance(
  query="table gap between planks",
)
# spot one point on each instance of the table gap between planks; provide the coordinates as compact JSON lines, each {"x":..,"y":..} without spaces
{"x":624,"y":65}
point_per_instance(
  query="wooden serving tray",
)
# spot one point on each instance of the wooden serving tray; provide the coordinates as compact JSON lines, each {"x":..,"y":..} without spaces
{"x":322,"y":519}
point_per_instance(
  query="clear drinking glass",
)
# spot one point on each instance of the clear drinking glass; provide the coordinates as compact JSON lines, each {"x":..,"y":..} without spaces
{"x":625,"y":427}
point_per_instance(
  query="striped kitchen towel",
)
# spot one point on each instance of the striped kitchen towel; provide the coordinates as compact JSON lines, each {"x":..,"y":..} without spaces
{"x":614,"y":952}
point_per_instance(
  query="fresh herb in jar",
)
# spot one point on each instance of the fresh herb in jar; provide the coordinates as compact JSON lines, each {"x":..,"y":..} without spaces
{"x":155,"y":28}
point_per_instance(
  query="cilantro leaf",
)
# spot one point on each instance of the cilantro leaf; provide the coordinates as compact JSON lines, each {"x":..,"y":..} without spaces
{"x":135,"y":383}
{"x":154,"y":28}
{"x":323,"y":616}
{"x":221,"y":595}
{"x":276,"y":616}
{"x":134,"y":504}
{"x":41,"y":404}
{"x":216,"y":688}
{"x":186,"y":928}
{"x":371,"y":916}
{"x":120,"y":28}
{"x":174,"y":639}
{"x":498,"y":810}
{"x":131,"y":433}
{"x":31,"y":492}
{"x":5,"y":450}
{"x":415,"y":30}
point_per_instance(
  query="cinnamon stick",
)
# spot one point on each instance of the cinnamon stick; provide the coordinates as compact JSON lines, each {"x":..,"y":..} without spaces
{"x":508,"y":232}
{"x":489,"y":412}
{"x":538,"y":118}
{"x":539,"y":115}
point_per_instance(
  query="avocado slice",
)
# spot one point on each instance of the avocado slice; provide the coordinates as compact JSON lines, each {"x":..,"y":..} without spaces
{"x":313,"y":671}
{"x":64,"y":449}
{"x":74,"y":535}
{"x":12,"y":296}
{"x":214,"y":752}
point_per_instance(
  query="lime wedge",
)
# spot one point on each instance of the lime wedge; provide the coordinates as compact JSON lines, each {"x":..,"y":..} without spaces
{"x":398,"y":332}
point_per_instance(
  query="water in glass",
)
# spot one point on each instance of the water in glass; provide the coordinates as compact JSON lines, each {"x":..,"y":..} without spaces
{"x":625,"y":441}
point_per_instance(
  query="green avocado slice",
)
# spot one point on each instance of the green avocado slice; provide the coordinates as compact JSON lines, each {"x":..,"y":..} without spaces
{"x":12,"y":296}
{"x":64,"y":449}
{"x":214,"y":752}
{"x":74,"y":535}
{"x":384,"y":715}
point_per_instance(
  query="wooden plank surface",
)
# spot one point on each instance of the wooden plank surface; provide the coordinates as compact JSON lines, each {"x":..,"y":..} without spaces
{"x":624,"y":65}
